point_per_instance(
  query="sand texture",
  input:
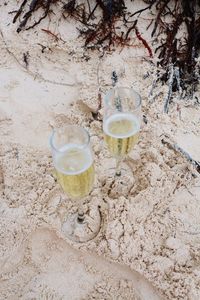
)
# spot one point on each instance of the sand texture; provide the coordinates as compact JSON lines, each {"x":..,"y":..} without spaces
{"x":149,"y":243}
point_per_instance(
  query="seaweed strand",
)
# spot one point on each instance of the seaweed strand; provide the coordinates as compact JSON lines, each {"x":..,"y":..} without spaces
{"x":43,"y":17}
{"x":19,"y":11}
{"x":27,"y":15}
{"x":144,"y":42}
{"x":158,"y":16}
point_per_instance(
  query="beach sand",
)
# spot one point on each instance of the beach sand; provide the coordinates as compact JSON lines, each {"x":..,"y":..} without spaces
{"x":148,"y":246}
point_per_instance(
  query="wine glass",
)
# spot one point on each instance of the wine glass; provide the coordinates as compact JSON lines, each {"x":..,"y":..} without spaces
{"x":121,"y":123}
{"x":73,"y":161}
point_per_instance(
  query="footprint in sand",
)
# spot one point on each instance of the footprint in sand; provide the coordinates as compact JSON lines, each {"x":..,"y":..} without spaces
{"x":11,"y":245}
{"x":66,"y":273}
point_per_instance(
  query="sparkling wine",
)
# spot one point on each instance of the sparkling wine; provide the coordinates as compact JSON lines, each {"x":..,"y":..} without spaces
{"x":75,"y":170}
{"x":121,"y":133}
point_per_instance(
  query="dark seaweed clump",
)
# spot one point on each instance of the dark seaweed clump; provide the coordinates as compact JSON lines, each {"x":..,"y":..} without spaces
{"x":106,"y":24}
{"x":111,"y":29}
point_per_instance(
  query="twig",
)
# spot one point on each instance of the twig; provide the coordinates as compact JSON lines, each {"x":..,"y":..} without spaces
{"x":130,"y":28}
{"x":19,"y":11}
{"x":43,"y":17}
{"x":143,"y":9}
{"x":177,"y":148}
{"x":178,"y":80}
{"x":169,"y":93}
{"x":158,"y":16}
{"x":27,"y":15}
{"x":50,"y":33}
{"x":92,"y":12}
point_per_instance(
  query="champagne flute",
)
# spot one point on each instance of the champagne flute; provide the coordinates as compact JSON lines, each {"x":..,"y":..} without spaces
{"x":73,"y":161}
{"x":121,"y":123}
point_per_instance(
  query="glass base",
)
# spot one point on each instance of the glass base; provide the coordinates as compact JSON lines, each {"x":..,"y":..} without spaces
{"x":122,"y":172}
{"x":84,"y":229}
{"x":117,"y":185}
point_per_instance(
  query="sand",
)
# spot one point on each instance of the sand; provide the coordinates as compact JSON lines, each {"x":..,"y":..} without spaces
{"x":148,"y":245}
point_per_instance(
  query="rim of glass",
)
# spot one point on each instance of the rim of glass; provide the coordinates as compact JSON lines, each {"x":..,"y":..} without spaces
{"x":108,"y":93}
{"x":55,"y":130}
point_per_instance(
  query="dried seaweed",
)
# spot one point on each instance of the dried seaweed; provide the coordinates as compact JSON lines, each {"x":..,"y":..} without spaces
{"x":33,"y":6}
{"x":98,"y":32}
{"x":107,"y":24}
{"x":144,"y":42}
{"x":176,"y":50}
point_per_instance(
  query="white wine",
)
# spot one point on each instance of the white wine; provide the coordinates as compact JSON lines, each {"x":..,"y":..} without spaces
{"x":121,"y":133}
{"x":75,"y":170}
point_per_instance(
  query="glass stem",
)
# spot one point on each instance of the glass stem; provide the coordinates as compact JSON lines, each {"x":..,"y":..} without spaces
{"x":118,"y":167}
{"x":81,"y":215}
